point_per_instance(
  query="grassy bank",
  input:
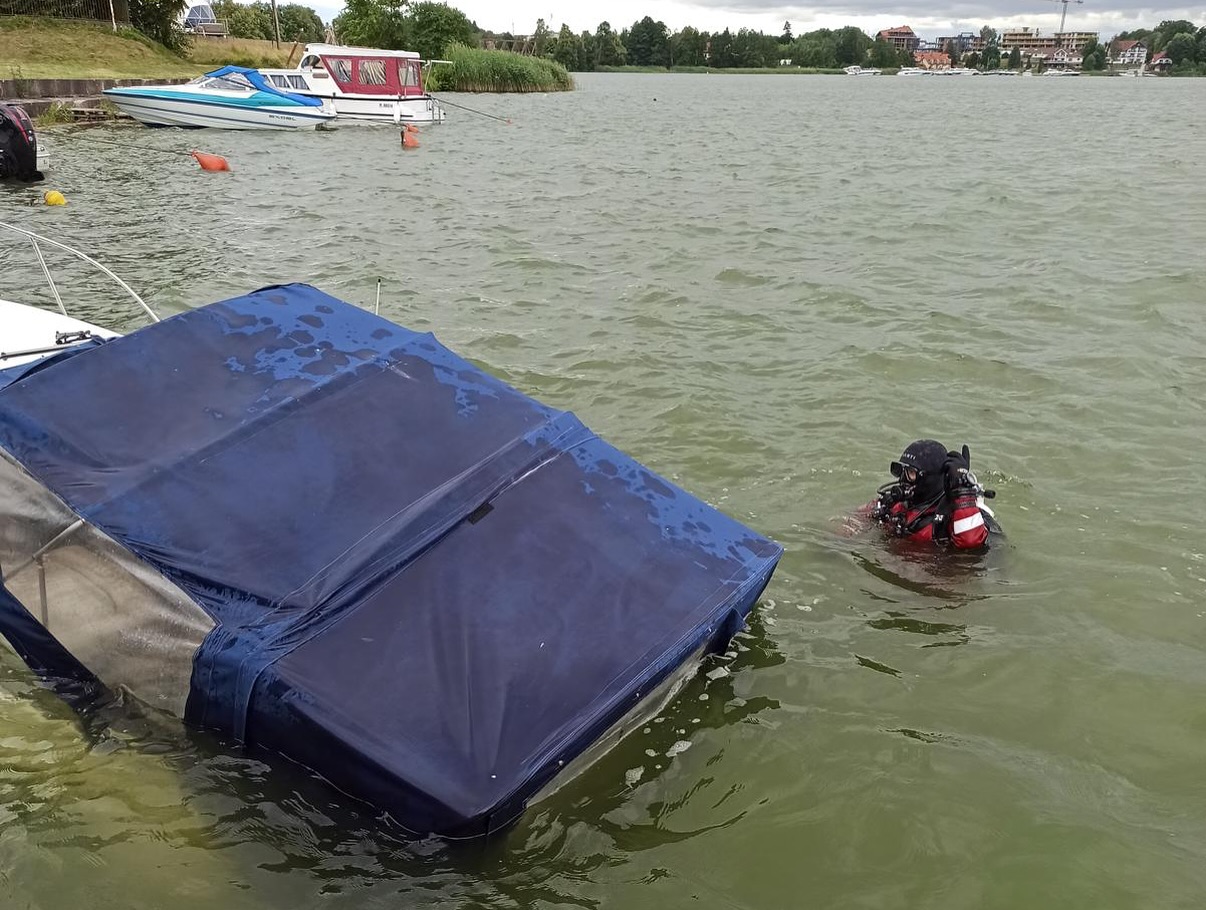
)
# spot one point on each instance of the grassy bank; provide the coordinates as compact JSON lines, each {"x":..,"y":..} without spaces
{"x":732,"y":71}
{"x":475,"y":70}
{"x":56,"y":49}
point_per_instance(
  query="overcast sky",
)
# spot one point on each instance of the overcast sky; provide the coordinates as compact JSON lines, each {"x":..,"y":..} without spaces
{"x":929,"y":18}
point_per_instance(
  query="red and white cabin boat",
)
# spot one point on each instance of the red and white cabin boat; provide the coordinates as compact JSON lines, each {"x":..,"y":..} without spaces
{"x":364,"y":83}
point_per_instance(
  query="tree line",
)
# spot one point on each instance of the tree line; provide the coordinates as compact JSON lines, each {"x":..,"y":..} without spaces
{"x":254,"y":20}
{"x":1180,"y":39}
{"x":649,"y":43}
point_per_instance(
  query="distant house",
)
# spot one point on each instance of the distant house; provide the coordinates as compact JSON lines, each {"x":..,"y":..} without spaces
{"x":1161,"y":63}
{"x":932,"y":60}
{"x":1065,"y":57}
{"x":901,"y":37}
{"x":1128,"y":53}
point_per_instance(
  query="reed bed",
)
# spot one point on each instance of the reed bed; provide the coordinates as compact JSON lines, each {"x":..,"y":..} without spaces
{"x":475,"y":70}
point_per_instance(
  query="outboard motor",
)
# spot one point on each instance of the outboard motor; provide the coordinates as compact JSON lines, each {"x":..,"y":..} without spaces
{"x":18,"y":146}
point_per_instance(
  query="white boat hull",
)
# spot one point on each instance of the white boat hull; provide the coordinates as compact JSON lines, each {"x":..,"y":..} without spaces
{"x":183,"y":112}
{"x":412,"y":110}
{"x":28,"y":328}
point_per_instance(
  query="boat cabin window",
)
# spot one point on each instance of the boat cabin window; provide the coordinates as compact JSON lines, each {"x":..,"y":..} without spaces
{"x":408,"y":74}
{"x":288,"y":81}
{"x":341,"y":69}
{"x":372,"y":72}
{"x":309,"y":61}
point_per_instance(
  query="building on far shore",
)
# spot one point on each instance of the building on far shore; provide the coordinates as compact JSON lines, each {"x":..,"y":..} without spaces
{"x":901,"y":37}
{"x":1161,"y":63}
{"x":964,"y":43}
{"x":1065,"y":58}
{"x":932,"y":60}
{"x":1128,"y":53}
{"x":1075,"y":40}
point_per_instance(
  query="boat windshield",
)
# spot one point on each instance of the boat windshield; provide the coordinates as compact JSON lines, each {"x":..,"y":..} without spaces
{"x":232,"y":82}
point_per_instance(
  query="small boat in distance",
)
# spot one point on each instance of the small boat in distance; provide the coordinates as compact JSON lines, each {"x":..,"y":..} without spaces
{"x":861,"y":71}
{"x":230,"y":98}
{"x":363,"y":83}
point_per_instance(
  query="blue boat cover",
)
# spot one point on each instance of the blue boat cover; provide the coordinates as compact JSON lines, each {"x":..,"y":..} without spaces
{"x":427,"y":587}
{"x":257,"y":80}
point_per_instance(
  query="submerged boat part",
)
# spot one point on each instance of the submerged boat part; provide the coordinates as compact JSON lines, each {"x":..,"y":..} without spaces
{"x":291,"y":521}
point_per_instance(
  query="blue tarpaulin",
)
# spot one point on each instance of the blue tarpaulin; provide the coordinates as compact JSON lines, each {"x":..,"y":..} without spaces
{"x":424,"y":585}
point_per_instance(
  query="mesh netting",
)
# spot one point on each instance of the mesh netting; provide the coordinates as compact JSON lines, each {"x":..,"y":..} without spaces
{"x":118,"y":617}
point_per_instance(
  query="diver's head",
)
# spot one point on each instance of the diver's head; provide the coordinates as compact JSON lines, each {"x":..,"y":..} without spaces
{"x":919,"y":470}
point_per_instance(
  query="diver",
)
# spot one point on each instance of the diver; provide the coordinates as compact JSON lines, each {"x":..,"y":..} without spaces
{"x":935,"y":497}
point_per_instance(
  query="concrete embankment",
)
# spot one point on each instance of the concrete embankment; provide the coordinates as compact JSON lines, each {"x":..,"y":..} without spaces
{"x":84,"y":95}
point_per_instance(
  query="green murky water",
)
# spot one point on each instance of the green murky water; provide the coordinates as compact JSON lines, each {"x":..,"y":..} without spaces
{"x":763,"y":288}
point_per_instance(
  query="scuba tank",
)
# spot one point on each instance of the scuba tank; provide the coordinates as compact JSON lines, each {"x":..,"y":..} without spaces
{"x":18,"y":146}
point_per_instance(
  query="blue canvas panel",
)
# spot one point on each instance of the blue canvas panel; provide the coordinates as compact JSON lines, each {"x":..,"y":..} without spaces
{"x":428,"y":587}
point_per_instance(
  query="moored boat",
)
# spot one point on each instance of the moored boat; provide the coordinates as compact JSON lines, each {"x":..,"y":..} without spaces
{"x":289,"y":520}
{"x":231,"y":98}
{"x":363,"y":83}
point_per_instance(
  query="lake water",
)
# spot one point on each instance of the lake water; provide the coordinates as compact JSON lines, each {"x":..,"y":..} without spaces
{"x":763,"y":288}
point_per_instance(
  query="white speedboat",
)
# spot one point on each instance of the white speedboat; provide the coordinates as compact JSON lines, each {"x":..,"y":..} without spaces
{"x":230,"y":98}
{"x":363,"y":83}
{"x":861,"y":71}
{"x":30,"y":334}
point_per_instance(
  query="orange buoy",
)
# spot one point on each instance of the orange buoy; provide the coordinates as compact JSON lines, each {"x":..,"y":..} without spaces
{"x":211,"y":162}
{"x":409,"y":141}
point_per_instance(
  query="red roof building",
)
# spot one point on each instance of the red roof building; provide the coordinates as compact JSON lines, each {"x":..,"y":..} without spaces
{"x":901,"y":37}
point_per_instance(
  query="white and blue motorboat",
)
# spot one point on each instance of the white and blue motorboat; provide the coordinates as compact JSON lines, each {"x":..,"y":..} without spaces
{"x":230,"y":98}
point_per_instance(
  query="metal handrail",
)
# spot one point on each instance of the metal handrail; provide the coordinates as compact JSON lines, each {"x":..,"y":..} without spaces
{"x":36,"y":239}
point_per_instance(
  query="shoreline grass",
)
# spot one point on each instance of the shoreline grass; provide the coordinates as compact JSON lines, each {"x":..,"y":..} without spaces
{"x":475,"y":70}
{"x":36,"y":48}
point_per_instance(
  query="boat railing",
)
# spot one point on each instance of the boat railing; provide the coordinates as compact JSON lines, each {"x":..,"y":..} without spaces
{"x":36,"y":240}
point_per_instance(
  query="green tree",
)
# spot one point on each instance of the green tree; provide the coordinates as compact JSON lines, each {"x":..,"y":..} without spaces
{"x":952,"y":53}
{"x":157,"y":19}
{"x":1093,"y":56}
{"x":299,"y":23}
{"x":1015,"y":59}
{"x":374,"y":23}
{"x":815,"y":49}
{"x":609,"y":49}
{"x":586,"y":53}
{"x":1164,"y":32}
{"x":1182,"y":48}
{"x":754,"y":50}
{"x":688,"y":47}
{"x":850,"y":45}
{"x":434,"y":26}
{"x":990,"y":56}
{"x":786,"y":37}
{"x":567,"y":51}
{"x":541,"y":38}
{"x":720,"y":54}
{"x":972,"y":60}
{"x":883,"y":53}
{"x":648,"y":43}
{"x":253,"y":20}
